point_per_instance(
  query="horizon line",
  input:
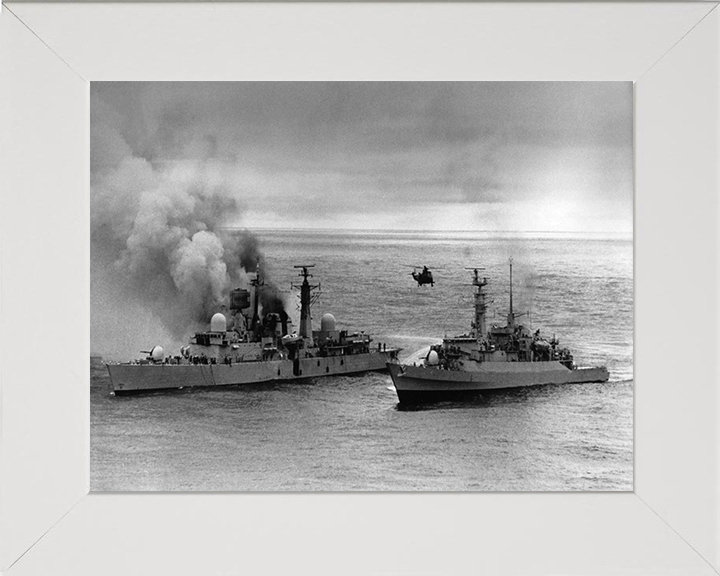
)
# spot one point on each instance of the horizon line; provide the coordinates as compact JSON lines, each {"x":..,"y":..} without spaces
{"x":425,"y":231}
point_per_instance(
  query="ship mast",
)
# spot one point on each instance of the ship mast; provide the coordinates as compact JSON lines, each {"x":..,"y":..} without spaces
{"x":305,"y":301}
{"x":511,"y":316}
{"x":257,"y":282}
{"x":479,"y":325}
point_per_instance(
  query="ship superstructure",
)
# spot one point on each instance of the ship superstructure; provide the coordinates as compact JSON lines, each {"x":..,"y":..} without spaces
{"x":251,"y":343}
{"x":503,"y":356}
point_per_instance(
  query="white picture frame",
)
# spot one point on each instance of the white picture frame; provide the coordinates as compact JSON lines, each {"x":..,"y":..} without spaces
{"x":49,"y":523}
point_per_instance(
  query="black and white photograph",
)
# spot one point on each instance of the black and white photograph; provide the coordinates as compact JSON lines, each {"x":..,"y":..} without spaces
{"x":361,"y":286}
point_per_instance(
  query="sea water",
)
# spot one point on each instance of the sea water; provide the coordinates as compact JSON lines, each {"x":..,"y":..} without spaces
{"x":348,"y":432}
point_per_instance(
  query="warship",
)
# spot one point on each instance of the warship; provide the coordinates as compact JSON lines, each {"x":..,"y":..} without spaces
{"x":243,"y":348}
{"x":509,"y":356}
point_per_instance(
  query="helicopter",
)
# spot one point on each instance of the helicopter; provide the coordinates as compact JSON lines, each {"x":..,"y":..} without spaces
{"x":422,"y":277}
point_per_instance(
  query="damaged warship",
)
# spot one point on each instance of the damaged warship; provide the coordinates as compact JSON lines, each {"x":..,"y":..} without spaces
{"x":509,"y":356}
{"x":245,"y":349}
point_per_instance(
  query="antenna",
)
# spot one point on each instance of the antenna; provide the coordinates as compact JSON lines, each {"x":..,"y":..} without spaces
{"x":476,"y":278}
{"x":511,"y":306}
{"x":304,"y":272}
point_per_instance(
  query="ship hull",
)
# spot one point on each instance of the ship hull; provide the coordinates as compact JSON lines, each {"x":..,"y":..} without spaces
{"x":417,"y":384}
{"x":132,"y":378}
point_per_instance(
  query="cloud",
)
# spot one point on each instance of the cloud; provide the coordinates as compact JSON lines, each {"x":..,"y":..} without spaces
{"x":301,"y":150}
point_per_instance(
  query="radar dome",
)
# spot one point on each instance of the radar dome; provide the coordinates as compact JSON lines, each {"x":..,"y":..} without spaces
{"x":327,"y":323}
{"x":432,"y":358}
{"x":218,"y":323}
{"x":157,"y":354}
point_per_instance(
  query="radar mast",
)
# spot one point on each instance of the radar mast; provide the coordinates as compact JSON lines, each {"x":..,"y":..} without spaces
{"x":306,"y":300}
{"x":479,"y":328}
{"x":256,"y":283}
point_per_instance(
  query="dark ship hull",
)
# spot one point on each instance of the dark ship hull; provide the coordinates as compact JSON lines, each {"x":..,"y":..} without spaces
{"x":420,"y":384}
{"x":129,"y":378}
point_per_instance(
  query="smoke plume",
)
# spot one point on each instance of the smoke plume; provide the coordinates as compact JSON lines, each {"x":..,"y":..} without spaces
{"x":158,"y":214}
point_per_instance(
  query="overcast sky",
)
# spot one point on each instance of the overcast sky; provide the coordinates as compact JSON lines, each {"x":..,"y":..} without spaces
{"x":436,"y":156}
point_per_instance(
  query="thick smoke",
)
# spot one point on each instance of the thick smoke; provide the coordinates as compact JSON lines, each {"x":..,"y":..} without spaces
{"x":157,"y":223}
{"x":243,"y":253}
{"x":271,"y":300}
